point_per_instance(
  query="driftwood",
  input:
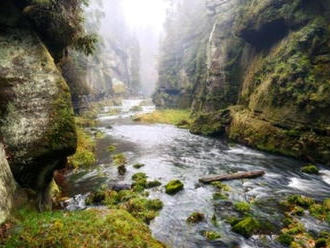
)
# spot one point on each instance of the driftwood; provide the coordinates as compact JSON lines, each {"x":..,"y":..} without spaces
{"x":239,"y":175}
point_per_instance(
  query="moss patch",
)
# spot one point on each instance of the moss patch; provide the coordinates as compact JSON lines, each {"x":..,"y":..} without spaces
{"x":247,"y":227}
{"x":310,"y":169}
{"x":173,"y":187}
{"x":85,"y":154}
{"x":91,"y":228}
{"x":167,"y":116}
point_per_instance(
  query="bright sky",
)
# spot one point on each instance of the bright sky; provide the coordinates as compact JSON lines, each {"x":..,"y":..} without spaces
{"x":145,"y":13}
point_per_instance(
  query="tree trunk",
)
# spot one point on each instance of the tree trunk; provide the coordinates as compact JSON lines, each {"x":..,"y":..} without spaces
{"x":239,"y":175}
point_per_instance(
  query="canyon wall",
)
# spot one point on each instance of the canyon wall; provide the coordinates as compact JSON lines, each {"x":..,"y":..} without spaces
{"x":265,"y":77}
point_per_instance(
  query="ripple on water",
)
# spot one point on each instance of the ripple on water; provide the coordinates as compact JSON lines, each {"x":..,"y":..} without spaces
{"x":172,"y":153}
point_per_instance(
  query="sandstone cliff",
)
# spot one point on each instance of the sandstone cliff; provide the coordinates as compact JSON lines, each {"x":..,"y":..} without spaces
{"x":266,"y":80}
{"x":37,"y":125}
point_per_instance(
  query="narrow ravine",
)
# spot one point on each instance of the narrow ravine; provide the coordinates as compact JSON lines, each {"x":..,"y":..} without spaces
{"x":172,"y":153}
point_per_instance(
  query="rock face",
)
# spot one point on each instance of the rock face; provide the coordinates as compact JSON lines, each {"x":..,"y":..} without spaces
{"x":37,"y":121}
{"x":267,"y":63}
{"x":7,"y":186}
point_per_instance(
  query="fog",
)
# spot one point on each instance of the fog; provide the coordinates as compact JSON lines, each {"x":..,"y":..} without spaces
{"x":130,"y":33}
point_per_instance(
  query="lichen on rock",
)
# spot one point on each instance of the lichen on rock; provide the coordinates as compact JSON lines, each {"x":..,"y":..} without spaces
{"x":37,"y":118}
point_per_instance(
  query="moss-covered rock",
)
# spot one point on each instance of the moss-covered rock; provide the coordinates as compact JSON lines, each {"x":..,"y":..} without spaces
{"x":242,"y":207}
{"x":247,"y":227}
{"x":38,"y":126}
{"x":138,"y":165}
{"x":310,"y":169}
{"x":173,"y":187}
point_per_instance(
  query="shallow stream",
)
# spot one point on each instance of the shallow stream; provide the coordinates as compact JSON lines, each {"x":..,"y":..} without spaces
{"x":172,"y":153}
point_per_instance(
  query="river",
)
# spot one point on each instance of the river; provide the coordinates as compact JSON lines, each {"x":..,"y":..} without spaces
{"x":170,"y":153}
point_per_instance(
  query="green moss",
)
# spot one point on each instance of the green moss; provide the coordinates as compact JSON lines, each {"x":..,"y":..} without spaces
{"x":85,"y":153}
{"x":319,"y":211}
{"x":195,"y":217}
{"x":112,"y":148}
{"x":285,"y":239}
{"x":173,"y":187}
{"x":321,"y":243}
{"x":139,"y":176}
{"x":219,"y":196}
{"x":138,"y":166}
{"x":97,"y":228}
{"x":247,"y":227}
{"x":211,"y":235}
{"x":298,"y":211}
{"x":211,"y":124}
{"x":221,"y":186}
{"x":310,"y":169}
{"x":153,"y":184}
{"x":242,"y":207}
{"x":167,"y":116}
{"x":300,"y":200}
{"x":143,"y":209}
{"x":119,"y":159}
{"x":326,"y":204}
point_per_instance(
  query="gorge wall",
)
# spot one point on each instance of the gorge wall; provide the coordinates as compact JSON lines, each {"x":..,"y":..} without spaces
{"x":37,"y":126}
{"x":262,"y":74}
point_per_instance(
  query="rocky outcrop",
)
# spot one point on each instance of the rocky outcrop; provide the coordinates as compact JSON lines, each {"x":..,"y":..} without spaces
{"x":37,"y":121}
{"x":267,"y":65}
{"x":7,"y":186}
{"x":182,"y":61}
{"x":37,"y":125}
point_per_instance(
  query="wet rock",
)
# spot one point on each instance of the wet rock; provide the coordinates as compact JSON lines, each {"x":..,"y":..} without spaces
{"x":119,"y":187}
{"x":196,"y":217}
{"x":122,"y":170}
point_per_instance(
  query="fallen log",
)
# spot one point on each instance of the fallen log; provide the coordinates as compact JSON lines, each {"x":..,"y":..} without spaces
{"x":226,"y":177}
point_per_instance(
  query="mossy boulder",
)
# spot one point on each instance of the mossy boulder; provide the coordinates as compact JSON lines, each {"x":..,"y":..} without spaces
{"x":310,"y":169}
{"x":37,"y":125}
{"x":242,"y":207}
{"x":247,"y":227}
{"x":173,"y":187}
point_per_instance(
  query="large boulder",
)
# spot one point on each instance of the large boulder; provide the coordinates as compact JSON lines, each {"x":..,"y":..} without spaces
{"x":37,"y":122}
{"x":7,"y":186}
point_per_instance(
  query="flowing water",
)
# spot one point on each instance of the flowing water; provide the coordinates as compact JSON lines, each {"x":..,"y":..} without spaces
{"x":172,"y":153}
